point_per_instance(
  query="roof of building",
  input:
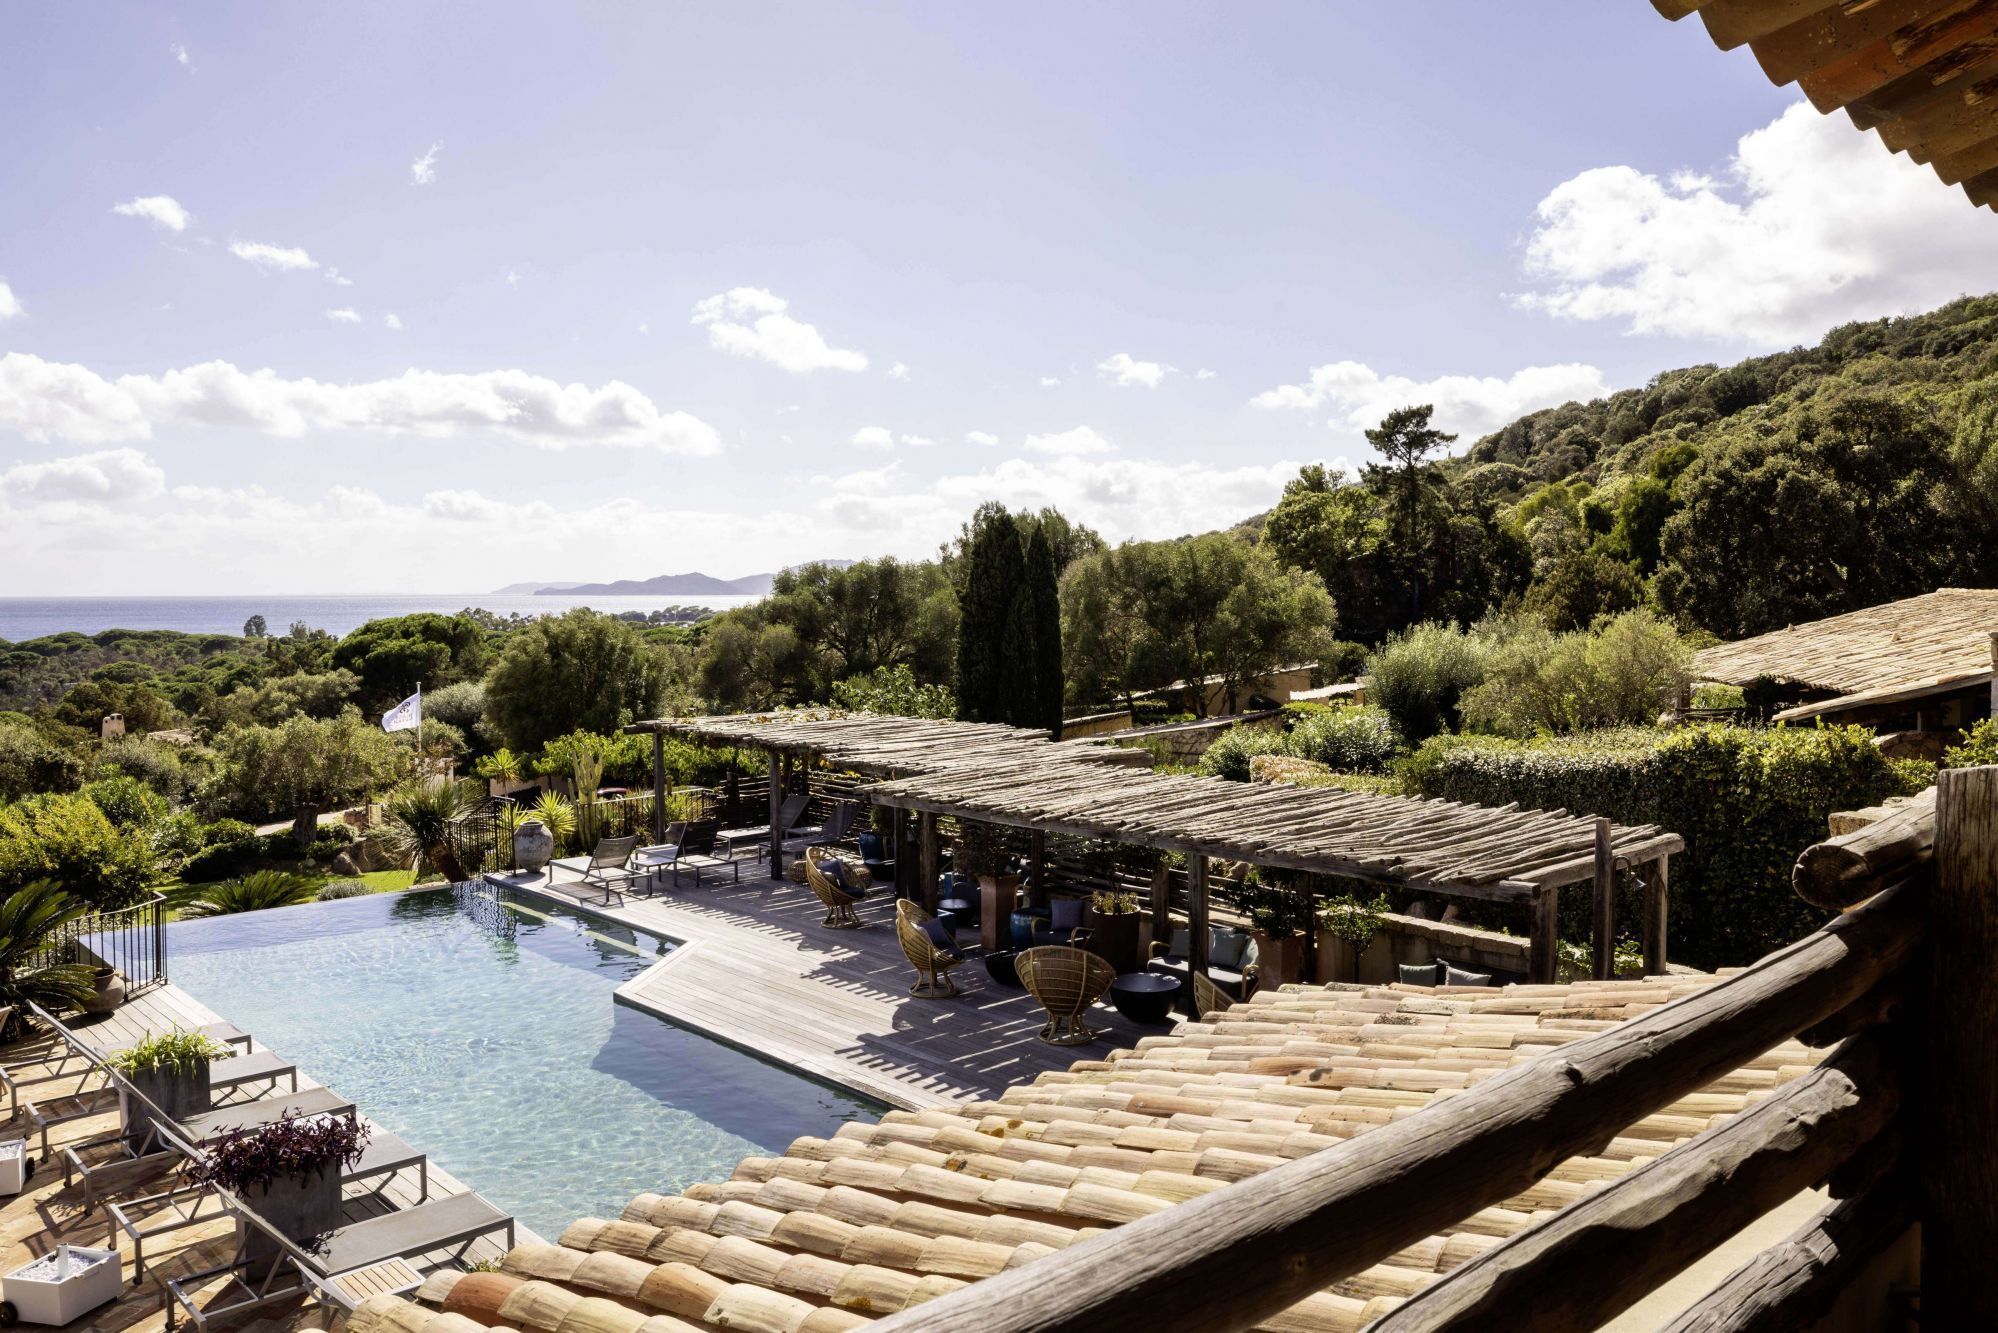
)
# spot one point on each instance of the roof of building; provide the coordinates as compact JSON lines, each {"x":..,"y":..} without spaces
{"x":1924,"y":73}
{"x":883,"y":1216}
{"x":1003,"y":775}
{"x":1919,"y":646}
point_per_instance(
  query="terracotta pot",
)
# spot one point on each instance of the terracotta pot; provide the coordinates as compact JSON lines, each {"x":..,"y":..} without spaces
{"x":1279,"y":961}
{"x":110,"y":992}
{"x":533,"y":845}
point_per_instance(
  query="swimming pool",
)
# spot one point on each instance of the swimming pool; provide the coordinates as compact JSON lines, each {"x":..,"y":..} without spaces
{"x":483,"y":1031}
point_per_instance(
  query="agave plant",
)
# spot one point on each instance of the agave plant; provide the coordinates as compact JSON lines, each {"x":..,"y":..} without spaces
{"x":29,"y":916}
{"x":252,"y":893}
{"x":557,"y":814}
{"x":421,"y":817}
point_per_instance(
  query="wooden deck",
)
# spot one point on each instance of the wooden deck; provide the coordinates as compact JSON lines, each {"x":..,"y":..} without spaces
{"x":47,"y":1214}
{"x":755,"y":969}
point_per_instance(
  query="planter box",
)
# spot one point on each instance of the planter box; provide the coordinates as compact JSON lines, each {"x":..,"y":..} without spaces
{"x":1278,"y":961}
{"x":64,"y":1286}
{"x":299,"y":1207}
{"x":177,"y":1095}
{"x":13,"y":1166}
{"x":1113,"y":937}
{"x":997,"y":897}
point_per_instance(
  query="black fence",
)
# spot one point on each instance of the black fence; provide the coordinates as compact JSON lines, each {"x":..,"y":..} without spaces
{"x":483,"y":840}
{"x":131,"y":939}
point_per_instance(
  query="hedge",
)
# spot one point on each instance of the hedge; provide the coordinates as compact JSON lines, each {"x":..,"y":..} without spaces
{"x":1747,"y":800}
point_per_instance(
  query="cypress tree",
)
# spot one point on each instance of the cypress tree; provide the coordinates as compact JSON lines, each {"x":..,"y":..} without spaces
{"x":995,"y":569}
{"x":1019,"y":669}
{"x":1043,"y":593}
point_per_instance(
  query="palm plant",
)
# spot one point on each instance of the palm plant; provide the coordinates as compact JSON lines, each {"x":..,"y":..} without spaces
{"x":29,"y":916}
{"x":251,"y":893}
{"x":557,"y":814}
{"x":421,"y":824}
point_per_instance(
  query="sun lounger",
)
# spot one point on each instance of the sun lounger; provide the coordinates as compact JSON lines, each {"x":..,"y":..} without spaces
{"x":788,"y":814}
{"x":607,"y":872}
{"x":697,"y":853}
{"x":78,"y":1054}
{"x":384,"y":1156}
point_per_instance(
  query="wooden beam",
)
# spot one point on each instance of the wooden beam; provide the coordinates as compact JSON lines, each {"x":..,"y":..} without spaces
{"x":777,"y":866}
{"x":1546,"y":956}
{"x":1608,"y":1251}
{"x":1796,"y":1283}
{"x":658,"y":787}
{"x":1605,"y":904}
{"x":1657,"y":908}
{"x":1038,"y":869}
{"x":1838,"y":872}
{"x":1162,"y":902}
{"x":930,"y":861}
{"x":1235,"y":1257}
{"x":1959,"y":1169}
{"x":1196,"y":914}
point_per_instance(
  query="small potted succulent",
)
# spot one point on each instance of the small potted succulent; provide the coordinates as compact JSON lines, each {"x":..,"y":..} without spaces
{"x":1113,"y":928}
{"x":170,"y":1069}
{"x":287,"y":1173}
{"x":60,"y":1286}
{"x":1346,"y":928}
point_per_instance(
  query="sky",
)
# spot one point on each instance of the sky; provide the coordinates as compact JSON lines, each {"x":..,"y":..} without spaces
{"x":388,"y":297}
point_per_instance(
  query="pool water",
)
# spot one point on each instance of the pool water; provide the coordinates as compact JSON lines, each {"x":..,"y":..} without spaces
{"x":483,"y":1031}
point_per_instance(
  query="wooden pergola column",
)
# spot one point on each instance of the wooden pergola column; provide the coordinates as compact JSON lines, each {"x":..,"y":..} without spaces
{"x":776,"y":812}
{"x":658,"y":787}
{"x":930,"y":859}
{"x":1162,"y":901}
{"x":1605,"y":914}
{"x":1657,"y":897}
{"x":1196,"y":912}
{"x":1544,"y":956}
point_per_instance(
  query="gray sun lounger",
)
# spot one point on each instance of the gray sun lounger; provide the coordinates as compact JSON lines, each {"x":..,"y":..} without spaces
{"x":201,"y":1130}
{"x":384,"y":1156}
{"x":58,"y":1066}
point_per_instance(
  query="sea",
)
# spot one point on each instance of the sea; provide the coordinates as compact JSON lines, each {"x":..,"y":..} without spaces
{"x":33,"y":617}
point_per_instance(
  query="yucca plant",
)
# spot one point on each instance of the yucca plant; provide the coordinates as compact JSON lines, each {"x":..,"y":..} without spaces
{"x":28,"y":916}
{"x":252,"y":893}
{"x":421,"y":817}
{"x":555,"y":812}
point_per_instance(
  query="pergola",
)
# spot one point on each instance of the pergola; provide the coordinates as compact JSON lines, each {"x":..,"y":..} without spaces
{"x":1090,"y":789}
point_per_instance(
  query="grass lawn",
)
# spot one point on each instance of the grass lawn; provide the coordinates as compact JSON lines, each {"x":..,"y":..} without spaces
{"x":378,"y":881}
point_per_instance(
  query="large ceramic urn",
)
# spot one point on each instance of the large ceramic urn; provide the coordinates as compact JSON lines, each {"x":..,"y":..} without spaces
{"x":533,"y":844}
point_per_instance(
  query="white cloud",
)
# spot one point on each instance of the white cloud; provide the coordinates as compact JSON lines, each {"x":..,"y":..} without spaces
{"x":898,"y":371}
{"x":1357,"y":396}
{"x":162,"y":210}
{"x":873,"y":437}
{"x":424,"y":169}
{"x":474,"y":507}
{"x":512,"y":278}
{"x":749,"y":321}
{"x":180,"y":54}
{"x":1049,"y":381}
{"x":1203,"y":374}
{"x":344,"y":315}
{"x":392,"y":320}
{"x":918,"y":442}
{"x":1808,"y":225}
{"x":1125,"y":371}
{"x":105,"y":478}
{"x":51,"y":399}
{"x":984,"y":439}
{"x":333,"y":276}
{"x":1077,"y":440}
{"x":10,"y":304}
{"x":273,"y":256}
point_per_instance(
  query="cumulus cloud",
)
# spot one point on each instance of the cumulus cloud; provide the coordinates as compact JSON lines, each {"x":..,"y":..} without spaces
{"x":898,"y":371}
{"x":917,"y":442}
{"x":1808,"y":225}
{"x":180,"y":55}
{"x":103,"y":478}
{"x":873,"y":437}
{"x":1077,"y":440}
{"x":1203,"y":374}
{"x":750,"y":321}
{"x":1049,"y":381}
{"x":268,"y":257}
{"x":344,"y":315}
{"x":984,"y":439}
{"x":162,"y":210}
{"x":50,"y":399}
{"x":10,"y":304}
{"x":1357,"y":396}
{"x":392,"y":320}
{"x":1125,"y":371}
{"x":424,"y":169}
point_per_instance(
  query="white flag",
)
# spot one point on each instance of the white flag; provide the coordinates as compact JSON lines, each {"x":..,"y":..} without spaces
{"x":405,"y":716}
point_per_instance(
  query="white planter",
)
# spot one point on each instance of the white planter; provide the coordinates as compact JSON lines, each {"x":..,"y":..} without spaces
{"x":13,"y":1166}
{"x":62,"y":1286}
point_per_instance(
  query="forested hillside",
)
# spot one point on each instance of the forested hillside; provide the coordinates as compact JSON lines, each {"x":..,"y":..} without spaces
{"x":1735,"y":499}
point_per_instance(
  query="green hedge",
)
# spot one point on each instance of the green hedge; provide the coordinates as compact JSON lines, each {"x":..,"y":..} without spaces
{"x":1747,"y":801}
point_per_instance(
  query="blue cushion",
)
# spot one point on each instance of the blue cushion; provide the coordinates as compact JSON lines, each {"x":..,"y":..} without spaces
{"x":833,"y":870}
{"x":940,"y":937}
{"x":1224,"y":948}
{"x":1456,"y":976}
{"x":1065,"y":914}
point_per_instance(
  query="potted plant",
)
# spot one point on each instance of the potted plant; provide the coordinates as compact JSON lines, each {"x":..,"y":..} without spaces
{"x":1113,"y":928}
{"x":980,"y":853}
{"x":1279,"y":914}
{"x":170,"y":1070}
{"x":1346,"y":927}
{"x":60,"y":1286}
{"x":287,"y":1173}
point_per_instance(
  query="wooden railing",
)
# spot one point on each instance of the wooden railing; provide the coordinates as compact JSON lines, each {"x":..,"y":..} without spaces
{"x":1898,"y":1122}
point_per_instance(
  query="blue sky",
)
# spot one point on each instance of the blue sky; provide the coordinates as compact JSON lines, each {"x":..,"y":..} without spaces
{"x":316,"y":298}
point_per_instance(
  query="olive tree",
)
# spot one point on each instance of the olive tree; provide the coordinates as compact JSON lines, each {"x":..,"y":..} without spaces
{"x":303,"y":766}
{"x":579,"y":671}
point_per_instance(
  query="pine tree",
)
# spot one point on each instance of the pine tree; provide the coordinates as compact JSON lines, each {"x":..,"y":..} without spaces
{"x":994,"y":572}
{"x":1043,"y":593}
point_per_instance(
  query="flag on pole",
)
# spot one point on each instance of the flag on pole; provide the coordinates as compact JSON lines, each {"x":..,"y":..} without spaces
{"x":405,"y":716}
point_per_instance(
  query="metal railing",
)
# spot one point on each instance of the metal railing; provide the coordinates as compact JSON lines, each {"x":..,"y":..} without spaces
{"x":131,"y":939}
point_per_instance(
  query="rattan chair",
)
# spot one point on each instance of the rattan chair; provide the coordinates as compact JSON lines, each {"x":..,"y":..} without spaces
{"x":931,"y":961}
{"x":1066,"y":982}
{"x":1208,"y":998}
{"x":839,"y":900}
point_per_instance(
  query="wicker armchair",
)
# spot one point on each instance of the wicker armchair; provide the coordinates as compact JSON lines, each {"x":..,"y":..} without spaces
{"x":926,"y":952}
{"x":839,"y":900}
{"x":1208,"y":998}
{"x":1066,"y":982}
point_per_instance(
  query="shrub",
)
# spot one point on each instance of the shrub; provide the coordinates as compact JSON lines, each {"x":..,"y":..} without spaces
{"x":625,"y":759}
{"x":1980,"y":746}
{"x":1421,"y":676}
{"x":154,"y":763}
{"x":251,"y":893}
{"x":126,"y":801}
{"x":1746,"y":800}
{"x":1352,"y":740}
{"x":1622,"y":673}
{"x":68,"y":839}
{"x":344,"y":888}
{"x":1229,"y":755}
{"x":462,"y":705}
{"x":220,"y":861}
{"x":895,"y":690}
{"x":30,"y":763}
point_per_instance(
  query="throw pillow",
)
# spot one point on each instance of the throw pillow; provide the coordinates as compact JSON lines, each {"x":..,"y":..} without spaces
{"x":1456,"y":976}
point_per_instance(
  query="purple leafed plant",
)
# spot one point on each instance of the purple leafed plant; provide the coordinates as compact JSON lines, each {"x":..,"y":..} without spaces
{"x":295,"y":1146}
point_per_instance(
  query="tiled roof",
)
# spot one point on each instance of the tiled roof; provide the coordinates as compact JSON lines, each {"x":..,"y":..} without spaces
{"x":883,"y":1216}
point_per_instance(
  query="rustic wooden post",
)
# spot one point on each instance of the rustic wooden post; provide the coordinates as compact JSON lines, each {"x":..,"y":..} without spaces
{"x":776,"y":814}
{"x":1162,"y":901}
{"x":1657,"y":891}
{"x":1959,"y":1168}
{"x":1994,"y":673}
{"x":1544,"y":958}
{"x":898,"y":851}
{"x":1196,"y":913}
{"x":658,"y":787}
{"x":932,"y":857}
{"x":1605,"y":882}
{"x":1038,"y":870}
